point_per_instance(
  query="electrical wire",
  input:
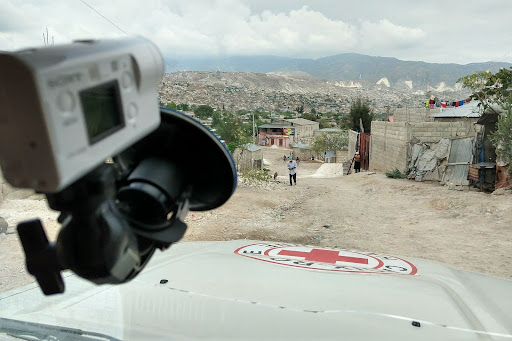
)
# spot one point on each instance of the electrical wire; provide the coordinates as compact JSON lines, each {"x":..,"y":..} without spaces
{"x":120,"y":29}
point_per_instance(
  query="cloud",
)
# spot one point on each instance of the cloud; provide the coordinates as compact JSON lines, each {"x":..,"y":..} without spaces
{"x":386,"y":34}
{"x":202,"y":27}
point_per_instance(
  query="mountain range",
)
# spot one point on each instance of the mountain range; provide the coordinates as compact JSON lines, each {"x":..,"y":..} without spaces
{"x":385,"y":71}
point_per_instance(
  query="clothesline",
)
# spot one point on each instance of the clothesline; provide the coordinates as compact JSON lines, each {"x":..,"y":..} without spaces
{"x":433,"y":103}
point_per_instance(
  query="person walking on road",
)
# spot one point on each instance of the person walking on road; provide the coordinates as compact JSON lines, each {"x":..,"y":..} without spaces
{"x":292,"y":168}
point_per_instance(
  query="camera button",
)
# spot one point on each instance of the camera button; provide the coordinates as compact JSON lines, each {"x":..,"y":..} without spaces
{"x":126,"y":80}
{"x":132,"y":110}
{"x":66,"y":101}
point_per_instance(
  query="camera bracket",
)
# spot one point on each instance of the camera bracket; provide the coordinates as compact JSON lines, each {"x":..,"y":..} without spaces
{"x":116,"y":216}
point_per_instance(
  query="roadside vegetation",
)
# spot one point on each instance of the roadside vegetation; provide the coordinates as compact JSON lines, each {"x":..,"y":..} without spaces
{"x":495,"y":89}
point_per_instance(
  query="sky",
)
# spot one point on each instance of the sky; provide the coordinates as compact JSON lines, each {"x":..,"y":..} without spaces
{"x":449,"y":31}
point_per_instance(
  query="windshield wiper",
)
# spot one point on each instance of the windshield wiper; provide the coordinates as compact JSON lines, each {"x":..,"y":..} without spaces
{"x":38,"y":331}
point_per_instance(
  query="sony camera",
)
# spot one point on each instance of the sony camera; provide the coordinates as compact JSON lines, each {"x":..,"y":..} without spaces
{"x":63,"y":111}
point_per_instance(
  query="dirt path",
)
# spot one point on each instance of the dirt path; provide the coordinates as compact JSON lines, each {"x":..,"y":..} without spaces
{"x":365,"y":211}
{"x":370,"y":212}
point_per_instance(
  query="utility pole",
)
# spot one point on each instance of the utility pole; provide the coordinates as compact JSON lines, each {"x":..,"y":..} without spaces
{"x":253,"y":130}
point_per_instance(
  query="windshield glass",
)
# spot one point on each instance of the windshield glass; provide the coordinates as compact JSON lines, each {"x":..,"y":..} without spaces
{"x":371,"y":140}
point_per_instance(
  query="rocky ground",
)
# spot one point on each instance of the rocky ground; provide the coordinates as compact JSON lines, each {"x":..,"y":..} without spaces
{"x":365,"y":211}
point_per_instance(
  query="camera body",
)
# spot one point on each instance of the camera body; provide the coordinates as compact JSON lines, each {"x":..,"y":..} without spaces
{"x":65,"y":109}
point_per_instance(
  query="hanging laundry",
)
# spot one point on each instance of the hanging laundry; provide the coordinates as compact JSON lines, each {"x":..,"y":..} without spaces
{"x":443,"y":104}
{"x":461,"y":102}
{"x":456,"y":104}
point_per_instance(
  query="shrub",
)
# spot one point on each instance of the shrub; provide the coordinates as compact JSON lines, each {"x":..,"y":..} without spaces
{"x":396,"y":174}
{"x":257,"y":174}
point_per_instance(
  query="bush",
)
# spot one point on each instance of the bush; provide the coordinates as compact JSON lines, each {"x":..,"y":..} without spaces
{"x":257,"y":174}
{"x":396,"y":174}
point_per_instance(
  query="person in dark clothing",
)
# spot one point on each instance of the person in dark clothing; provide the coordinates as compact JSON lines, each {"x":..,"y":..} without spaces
{"x":357,"y":162}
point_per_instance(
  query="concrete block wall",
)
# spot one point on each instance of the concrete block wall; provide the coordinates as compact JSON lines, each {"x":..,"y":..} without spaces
{"x":352,"y":140}
{"x":434,"y":131}
{"x":389,"y":145}
{"x":413,"y":115}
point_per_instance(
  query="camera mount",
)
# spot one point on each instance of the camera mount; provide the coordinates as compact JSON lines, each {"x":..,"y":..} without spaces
{"x":117,"y":215}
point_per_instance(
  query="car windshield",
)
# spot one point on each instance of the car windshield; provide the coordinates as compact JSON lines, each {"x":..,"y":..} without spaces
{"x":372,"y":144}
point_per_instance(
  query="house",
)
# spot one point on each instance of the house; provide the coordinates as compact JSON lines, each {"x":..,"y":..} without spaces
{"x":247,"y":157}
{"x":285,"y":132}
{"x":303,"y":151}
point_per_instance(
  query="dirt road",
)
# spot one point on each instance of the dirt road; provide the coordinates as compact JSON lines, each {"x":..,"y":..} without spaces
{"x":365,"y":211}
{"x":369,"y":212}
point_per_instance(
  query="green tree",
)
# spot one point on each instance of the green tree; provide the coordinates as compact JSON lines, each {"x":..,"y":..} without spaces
{"x":311,"y":117}
{"x":232,"y":130}
{"x":502,"y":138}
{"x":182,"y":107}
{"x":172,"y":105}
{"x":324,"y":123}
{"x":495,"y":89}
{"x":330,"y":141}
{"x":360,"y":110}
{"x":203,"y":111}
{"x":343,"y":121}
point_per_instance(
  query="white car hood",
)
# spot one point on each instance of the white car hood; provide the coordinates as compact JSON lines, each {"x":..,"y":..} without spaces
{"x":257,"y":290}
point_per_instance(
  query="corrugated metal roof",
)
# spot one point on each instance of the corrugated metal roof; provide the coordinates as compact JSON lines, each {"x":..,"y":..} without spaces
{"x":302,"y":121}
{"x":302,"y":146}
{"x":461,"y":153}
{"x":470,"y":110}
{"x":333,"y":130}
{"x":252,"y":147}
{"x":270,"y":125}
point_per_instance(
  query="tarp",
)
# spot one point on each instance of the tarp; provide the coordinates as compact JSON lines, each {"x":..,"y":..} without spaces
{"x":426,"y":161}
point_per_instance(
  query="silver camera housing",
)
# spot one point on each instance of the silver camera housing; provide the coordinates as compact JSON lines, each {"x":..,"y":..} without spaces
{"x":65,"y":109}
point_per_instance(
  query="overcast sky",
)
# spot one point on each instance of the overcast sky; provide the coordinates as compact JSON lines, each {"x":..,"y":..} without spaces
{"x":449,"y":31}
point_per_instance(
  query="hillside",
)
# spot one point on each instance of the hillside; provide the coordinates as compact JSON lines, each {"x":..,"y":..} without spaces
{"x":282,"y":91}
{"x":406,"y":75}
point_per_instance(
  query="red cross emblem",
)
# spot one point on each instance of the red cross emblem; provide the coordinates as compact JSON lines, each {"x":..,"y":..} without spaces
{"x":324,"y":256}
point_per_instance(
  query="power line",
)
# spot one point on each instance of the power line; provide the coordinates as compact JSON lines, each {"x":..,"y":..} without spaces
{"x":104,"y":17}
{"x":120,"y":29}
{"x":500,"y":59}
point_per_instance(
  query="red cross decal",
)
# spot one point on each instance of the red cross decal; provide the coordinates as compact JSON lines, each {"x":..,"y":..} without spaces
{"x":324,"y":256}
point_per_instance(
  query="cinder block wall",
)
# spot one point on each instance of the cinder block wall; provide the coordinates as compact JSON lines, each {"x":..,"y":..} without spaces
{"x":434,"y":131}
{"x":352,"y":139}
{"x":389,"y":145}
{"x":412,"y":115}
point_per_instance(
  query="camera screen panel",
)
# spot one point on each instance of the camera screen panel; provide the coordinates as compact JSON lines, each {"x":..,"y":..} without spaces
{"x":102,"y":110}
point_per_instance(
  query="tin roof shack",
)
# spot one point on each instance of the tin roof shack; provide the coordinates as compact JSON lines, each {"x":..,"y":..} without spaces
{"x":488,"y":171}
{"x":447,"y":160}
{"x":248,"y":157}
{"x":391,"y":144}
{"x":303,"y":152}
{"x":469,"y":112}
